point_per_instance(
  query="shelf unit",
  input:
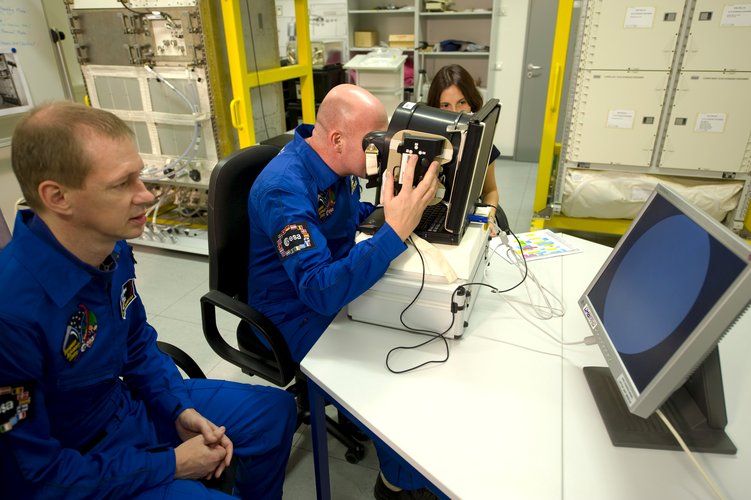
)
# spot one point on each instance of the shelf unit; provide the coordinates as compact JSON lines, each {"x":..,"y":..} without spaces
{"x":468,"y":24}
{"x":476,"y":17}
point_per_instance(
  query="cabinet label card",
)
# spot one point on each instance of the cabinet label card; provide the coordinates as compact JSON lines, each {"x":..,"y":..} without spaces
{"x":621,"y":118}
{"x":710,"y":122}
{"x":639,"y":17}
{"x":736,"y":15}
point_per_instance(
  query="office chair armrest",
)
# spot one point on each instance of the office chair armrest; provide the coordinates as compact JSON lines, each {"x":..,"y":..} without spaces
{"x":181,"y":359}
{"x":280,"y":371}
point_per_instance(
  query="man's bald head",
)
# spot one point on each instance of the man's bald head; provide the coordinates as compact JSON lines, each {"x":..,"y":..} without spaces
{"x":347,"y":113}
{"x":348,"y":104}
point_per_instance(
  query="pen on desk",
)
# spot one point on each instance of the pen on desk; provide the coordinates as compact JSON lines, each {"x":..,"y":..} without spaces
{"x":478,"y":218}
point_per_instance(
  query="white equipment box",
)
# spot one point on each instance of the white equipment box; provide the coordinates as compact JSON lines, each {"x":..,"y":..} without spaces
{"x":442,"y":307}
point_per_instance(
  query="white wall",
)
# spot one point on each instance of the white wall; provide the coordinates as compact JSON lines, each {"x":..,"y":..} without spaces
{"x":43,"y":78}
{"x":508,"y":68}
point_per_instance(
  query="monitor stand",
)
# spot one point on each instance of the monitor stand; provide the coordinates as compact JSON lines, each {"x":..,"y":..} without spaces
{"x":696,"y":410}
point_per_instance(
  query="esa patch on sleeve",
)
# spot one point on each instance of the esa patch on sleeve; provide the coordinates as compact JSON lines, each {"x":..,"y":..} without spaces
{"x":292,"y":239}
{"x":15,"y":403}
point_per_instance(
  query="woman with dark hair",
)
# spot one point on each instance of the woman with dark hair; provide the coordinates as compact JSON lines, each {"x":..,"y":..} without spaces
{"x":454,"y":89}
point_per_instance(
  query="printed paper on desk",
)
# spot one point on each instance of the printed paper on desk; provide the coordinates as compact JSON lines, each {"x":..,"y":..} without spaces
{"x":539,"y":245}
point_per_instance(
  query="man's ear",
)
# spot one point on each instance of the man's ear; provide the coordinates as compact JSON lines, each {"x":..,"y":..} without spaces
{"x":337,"y":141}
{"x":54,"y":197}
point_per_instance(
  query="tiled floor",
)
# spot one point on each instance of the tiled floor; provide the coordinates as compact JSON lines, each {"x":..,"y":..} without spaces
{"x":171,"y":284}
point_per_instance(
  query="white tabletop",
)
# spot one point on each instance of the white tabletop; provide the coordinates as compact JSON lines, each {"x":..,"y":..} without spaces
{"x":510,"y":414}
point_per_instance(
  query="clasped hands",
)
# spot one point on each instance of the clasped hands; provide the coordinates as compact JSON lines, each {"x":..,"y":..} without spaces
{"x":206,"y":450}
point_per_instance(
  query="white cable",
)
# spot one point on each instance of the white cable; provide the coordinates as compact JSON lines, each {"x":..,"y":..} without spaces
{"x":550,"y":311}
{"x":194,"y":142}
{"x":707,"y":478}
{"x":156,"y":210}
{"x":192,"y":107}
{"x":546,"y":311}
{"x":525,"y":318}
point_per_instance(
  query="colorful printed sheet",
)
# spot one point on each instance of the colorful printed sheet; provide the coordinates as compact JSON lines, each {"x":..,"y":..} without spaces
{"x":542,"y":244}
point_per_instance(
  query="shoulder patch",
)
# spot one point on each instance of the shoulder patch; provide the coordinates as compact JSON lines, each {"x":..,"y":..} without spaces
{"x":15,"y":405}
{"x":127,"y":295}
{"x":293,"y":238}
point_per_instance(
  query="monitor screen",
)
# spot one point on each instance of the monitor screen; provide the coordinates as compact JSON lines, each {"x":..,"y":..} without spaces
{"x":674,"y":284}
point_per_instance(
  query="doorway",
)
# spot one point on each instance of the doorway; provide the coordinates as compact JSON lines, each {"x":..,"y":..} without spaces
{"x":535,"y":76}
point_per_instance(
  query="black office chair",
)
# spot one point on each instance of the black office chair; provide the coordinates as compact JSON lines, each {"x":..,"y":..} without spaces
{"x":181,"y":359}
{"x":229,"y":240}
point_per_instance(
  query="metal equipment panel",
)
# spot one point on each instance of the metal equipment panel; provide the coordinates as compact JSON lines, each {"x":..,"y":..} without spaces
{"x":624,"y":34}
{"x":615,"y":116}
{"x":171,"y":120}
{"x":710,"y":124}
{"x":719,"y":37}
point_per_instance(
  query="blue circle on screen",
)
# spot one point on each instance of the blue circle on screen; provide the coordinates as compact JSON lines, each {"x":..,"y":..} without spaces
{"x":656,"y":284}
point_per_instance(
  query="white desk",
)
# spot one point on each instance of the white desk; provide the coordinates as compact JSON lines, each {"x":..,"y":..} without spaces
{"x":501,"y":419}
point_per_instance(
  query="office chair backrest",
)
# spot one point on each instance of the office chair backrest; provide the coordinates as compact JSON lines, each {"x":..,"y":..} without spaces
{"x":229,"y":237}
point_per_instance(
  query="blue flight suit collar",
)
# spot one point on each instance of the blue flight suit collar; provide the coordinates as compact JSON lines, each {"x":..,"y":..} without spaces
{"x":61,"y":274}
{"x":319,"y":171}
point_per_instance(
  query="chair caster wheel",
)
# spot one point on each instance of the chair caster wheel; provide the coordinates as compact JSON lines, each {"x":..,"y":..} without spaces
{"x":354,"y":455}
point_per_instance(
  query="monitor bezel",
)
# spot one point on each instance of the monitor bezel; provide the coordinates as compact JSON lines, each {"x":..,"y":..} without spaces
{"x":686,"y":359}
{"x":481,"y":129}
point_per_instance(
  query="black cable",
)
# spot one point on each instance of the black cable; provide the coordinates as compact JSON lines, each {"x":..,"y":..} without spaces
{"x":442,"y":335}
{"x":167,"y":17}
{"x":125,"y":5}
{"x":433,"y":335}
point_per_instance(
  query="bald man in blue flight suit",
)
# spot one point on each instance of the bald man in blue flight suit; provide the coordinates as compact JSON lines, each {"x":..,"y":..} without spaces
{"x":304,"y":209}
{"x":89,"y":407}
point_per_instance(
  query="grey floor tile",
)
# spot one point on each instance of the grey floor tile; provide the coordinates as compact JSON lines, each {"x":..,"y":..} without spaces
{"x":188,"y":306}
{"x":188,"y":337}
{"x":163,"y":277}
{"x":348,"y":482}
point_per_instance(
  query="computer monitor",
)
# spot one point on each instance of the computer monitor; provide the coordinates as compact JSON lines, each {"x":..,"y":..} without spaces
{"x":674,"y":284}
{"x":470,"y":136}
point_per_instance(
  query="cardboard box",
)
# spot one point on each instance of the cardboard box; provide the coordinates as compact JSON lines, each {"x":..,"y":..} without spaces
{"x":366,"y":38}
{"x":402,"y":41}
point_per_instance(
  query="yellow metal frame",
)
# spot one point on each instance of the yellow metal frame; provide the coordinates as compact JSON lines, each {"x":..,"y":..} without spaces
{"x":590,"y":225}
{"x":553,"y":102}
{"x":240,"y":108}
{"x":210,"y":19}
{"x":548,"y":144}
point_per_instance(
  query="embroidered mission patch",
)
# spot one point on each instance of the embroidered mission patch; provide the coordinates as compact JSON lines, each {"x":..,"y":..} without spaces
{"x":80,"y":333}
{"x":293,"y":238}
{"x":15,"y":402}
{"x":326,"y":203}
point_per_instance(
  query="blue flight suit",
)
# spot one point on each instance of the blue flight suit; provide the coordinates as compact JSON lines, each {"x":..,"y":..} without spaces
{"x":304,"y":264}
{"x":87,"y":400}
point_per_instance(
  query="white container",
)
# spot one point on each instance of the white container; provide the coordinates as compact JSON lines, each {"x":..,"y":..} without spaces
{"x":384,"y":302}
{"x":378,"y":71}
{"x":390,"y":99}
